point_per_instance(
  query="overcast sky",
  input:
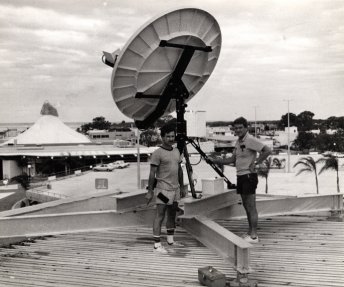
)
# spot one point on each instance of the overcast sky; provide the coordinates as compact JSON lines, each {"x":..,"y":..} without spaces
{"x":271,"y":51}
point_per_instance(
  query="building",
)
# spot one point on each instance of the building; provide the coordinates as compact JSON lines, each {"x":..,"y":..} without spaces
{"x":49,"y":147}
{"x":109,"y":136}
{"x":282,"y":136}
{"x":7,"y":133}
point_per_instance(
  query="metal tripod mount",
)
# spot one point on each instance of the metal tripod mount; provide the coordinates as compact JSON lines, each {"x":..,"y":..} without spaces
{"x":176,"y":90}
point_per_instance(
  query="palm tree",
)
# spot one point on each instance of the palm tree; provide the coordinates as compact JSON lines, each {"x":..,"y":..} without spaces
{"x":264,"y":171}
{"x":279,"y":163}
{"x":330,"y":162}
{"x":308,"y":165}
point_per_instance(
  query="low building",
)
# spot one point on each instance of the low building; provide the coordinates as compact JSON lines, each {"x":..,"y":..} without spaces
{"x":108,"y":136}
{"x":281,"y":137}
{"x":220,"y":131}
{"x":7,"y":133}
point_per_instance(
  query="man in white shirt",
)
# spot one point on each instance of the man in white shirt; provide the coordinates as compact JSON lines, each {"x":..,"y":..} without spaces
{"x":246,"y":162}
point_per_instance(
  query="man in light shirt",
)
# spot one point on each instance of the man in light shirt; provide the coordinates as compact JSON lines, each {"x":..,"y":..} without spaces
{"x":246,"y":162}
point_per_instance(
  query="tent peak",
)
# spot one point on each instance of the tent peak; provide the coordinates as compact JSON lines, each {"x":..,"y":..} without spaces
{"x":49,"y":109}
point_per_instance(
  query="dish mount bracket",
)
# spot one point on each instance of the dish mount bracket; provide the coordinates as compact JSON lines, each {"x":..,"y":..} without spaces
{"x":176,"y":90}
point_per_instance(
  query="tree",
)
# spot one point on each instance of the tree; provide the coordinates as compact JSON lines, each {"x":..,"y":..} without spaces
{"x":305,"y":121}
{"x":265,"y":171}
{"x":338,"y":141}
{"x":283,"y":123}
{"x":279,"y":163}
{"x":330,"y":163}
{"x":150,"y":137}
{"x":304,"y":141}
{"x":123,"y":125}
{"x":334,"y":123}
{"x":22,"y":179}
{"x":218,"y":124}
{"x":324,"y":142}
{"x":340,"y":123}
{"x":98,"y":123}
{"x":308,"y":165}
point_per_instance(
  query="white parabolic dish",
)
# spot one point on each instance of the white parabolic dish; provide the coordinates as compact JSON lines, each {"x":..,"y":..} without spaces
{"x":143,"y":66}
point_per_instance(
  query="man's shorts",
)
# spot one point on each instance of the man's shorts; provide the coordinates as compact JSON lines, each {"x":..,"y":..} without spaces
{"x":247,"y":183}
{"x":172,"y":195}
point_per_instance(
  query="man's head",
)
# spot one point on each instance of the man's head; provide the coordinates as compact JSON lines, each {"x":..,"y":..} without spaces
{"x":240,"y":127}
{"x":168,"y":134}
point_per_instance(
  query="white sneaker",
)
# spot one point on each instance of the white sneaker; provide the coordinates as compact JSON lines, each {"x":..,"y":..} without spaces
{"x":160,"y":249}
{"x":249,"y":239}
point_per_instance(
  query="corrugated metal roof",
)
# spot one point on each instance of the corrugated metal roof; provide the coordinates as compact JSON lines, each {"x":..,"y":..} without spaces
{"x":294,"y":251}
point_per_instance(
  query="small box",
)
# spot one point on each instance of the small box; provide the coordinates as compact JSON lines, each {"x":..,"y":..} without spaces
{"x":211,"y":277}
{"x":101,"y":183}
{"x":196,"y":123}
{"x":212,"y":185}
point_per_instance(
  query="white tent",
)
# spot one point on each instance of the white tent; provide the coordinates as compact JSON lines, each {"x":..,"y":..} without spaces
{"x":49,"y":129}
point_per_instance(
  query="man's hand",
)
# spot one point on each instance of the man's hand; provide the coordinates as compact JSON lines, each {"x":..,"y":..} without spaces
{"x":256,"y":166}
{"x":149,"y":196}
{"x":183,"y":192}
{"x":252,"y":167}
{"x":210,"y":160}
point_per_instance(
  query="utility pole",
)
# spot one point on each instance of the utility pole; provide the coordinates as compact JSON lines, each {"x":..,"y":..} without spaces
{"x":288,"y":140}
{"x":288,"y":136}
{"x":138,"y":159}
{"x":255,"y":121}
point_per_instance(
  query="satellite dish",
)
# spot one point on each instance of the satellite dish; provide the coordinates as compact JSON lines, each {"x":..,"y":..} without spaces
{"x":148,"y":61}
{"x":163,"y":65}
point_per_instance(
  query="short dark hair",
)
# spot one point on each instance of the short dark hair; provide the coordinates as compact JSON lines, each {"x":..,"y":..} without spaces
{"x":167,"y":129}
{"x":240,"y":121}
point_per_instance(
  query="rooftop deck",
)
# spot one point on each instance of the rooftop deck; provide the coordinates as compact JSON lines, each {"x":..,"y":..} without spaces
{"x":294,"y":251}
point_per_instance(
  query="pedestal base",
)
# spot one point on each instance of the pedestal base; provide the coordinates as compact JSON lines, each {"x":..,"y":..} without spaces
{"x":242,"y":281}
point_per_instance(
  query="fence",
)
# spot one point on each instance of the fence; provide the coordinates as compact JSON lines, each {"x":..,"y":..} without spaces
{"x":40,"y":191}
{"x":42,"y":194}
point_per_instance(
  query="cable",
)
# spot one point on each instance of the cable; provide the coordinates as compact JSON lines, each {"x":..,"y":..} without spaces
{"x":200,"y":159}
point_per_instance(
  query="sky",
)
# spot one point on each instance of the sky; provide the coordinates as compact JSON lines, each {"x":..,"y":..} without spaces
{"x":273,"y":53}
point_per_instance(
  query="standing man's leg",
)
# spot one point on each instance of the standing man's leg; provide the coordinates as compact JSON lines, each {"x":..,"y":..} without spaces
{"x":159,"y":217}
{"x":171,"y":222}
{"x":249,"y":202}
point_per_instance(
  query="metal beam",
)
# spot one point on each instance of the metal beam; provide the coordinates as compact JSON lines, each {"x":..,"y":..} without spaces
{"x":128,"y":201}
{"x":194,"y":207}
{"x":91,"y":202}
{"x":226,"y":244}
{"x":50,"y":224}
{"x":284,"y":206}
